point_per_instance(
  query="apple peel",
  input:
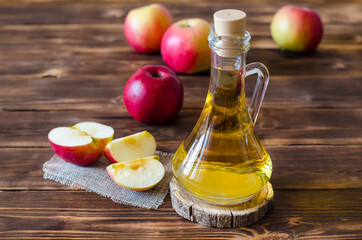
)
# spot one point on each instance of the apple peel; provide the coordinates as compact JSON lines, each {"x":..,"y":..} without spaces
{"x":153,"y":94}
{"x":145,"y":26}
{"x":81,"y":144}
{"x":137,"y":175}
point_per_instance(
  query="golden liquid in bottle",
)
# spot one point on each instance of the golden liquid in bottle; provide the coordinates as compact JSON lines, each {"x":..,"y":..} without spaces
{"x":222,"y":161}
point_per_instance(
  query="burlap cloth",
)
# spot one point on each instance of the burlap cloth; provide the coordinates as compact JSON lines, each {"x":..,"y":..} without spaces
{"x":94,"y":178}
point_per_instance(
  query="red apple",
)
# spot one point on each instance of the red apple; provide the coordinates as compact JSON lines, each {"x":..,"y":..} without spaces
{"x":296,"y":29}
{"x":138,"y":145}
{"x":184,"y":46}
{"x":145,"y":26}
{"x":153,"y":94}
{"x":137,"y":175}
{"x":81,"y":144}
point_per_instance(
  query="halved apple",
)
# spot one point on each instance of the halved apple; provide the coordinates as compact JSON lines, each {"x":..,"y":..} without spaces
{"x":139,"y":145}
{"x":82,"y":144}
{"x":137,"y":175}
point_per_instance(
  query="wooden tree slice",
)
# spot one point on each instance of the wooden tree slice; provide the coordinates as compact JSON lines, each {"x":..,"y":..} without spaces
{"x":209,"y":215}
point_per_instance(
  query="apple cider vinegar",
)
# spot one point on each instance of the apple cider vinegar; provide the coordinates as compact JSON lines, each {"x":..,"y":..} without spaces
{"x":222,"y":161}
{"x":233,"y":165}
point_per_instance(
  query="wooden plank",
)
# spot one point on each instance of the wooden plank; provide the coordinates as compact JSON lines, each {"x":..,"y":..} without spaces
{"x":58,"y":2}
{"x":30,"y":37}
{"x":269,"y":119}
{"x":294,"y":167}
{"x":101,"y":48}
{"x":37,"y":2}
{"x":278,"y":127}
{"x":117,"y":60}
{"x":320,"y":63}
{"x":104,"y":92}
{"x":22,"y":169}
{"x":51,"y":13}
{"x":316,"y":166}
{"x":297,"y":214}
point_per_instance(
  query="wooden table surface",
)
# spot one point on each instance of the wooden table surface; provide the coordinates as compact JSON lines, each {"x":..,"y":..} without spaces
{"x":64,"y":62}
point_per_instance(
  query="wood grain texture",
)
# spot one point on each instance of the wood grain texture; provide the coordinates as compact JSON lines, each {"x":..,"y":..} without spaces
{"x":88,"y":12}
{"x":297,"y":214}
{"x":104,"y":92}
{"x":239,"y":215}
{"x":116,"y":61}
{"x":307,"y":126}
{"x":294,"y":167}
{"x":66,"y":61}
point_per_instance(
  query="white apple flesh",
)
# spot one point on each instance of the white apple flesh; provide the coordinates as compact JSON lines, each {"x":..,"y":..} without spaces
{"x":139,"y":145}
{"x":137,"y":175}
{"x":81,"y":144}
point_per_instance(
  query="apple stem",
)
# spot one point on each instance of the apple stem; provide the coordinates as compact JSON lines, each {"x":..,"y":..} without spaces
{"x":185,"y":25}
{"x":156,"y":75}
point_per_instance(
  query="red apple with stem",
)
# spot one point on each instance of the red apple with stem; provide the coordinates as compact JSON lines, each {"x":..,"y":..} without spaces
{"x":184,"y":46}
{"x":297,"y":29}
{"x":153,"y":94}
{"x":145,"y":26}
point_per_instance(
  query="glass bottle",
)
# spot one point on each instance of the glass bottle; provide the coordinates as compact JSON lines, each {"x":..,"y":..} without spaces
{"x":222,"y":161}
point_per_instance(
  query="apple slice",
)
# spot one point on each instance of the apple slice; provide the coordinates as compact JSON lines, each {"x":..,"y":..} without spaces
{"x":137,"y":175}
{"x":139,"y":145}
{"x":82,"y":144}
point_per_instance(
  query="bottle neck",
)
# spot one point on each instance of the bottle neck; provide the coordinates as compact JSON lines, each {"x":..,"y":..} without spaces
{"x":228,"y":56}
{"x":227,"y":81}
{"x":227,"y":63}
{"x":227,"y":73}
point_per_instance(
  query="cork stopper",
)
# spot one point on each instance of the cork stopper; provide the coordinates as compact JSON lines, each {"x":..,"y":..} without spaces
{"x":229,"y":22}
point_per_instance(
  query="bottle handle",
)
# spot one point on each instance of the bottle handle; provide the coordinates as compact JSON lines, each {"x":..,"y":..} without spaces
{"x":260,"y":87}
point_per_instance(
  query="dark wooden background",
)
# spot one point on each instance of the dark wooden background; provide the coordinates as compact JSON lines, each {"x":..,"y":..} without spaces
{"x":63,"y":62}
